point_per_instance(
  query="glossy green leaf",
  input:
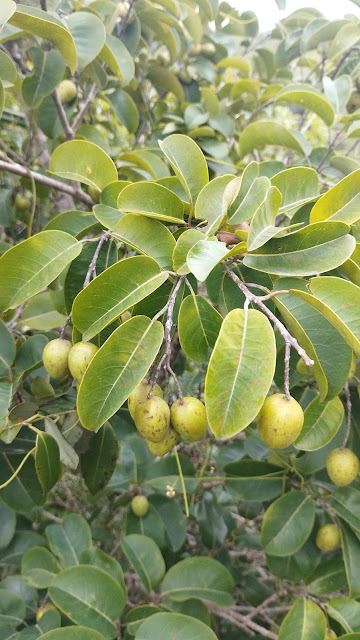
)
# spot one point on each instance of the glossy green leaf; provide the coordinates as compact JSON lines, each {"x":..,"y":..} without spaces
{"x":346,"y":503}
{"x":174,"y":625}
{"x":7,"y":525}
{"x":114,"y":291}
{"x":183,"y":245}
{"x":48,"y":71}
{"x":345,"y":611}
{"x":39,"y":23}
{"x":341,"y":202}
{"x":199,"y":325}
{"x":297,"y":185}
{"x":69,"y":539}
{"x":39,"y":567}
{"x":47,"y":461}
{"x":209,"y":203}
{"x":253,"y":480}
{"x":119,"y":365}
{"x":7,"y":349}
{"x":173,"y":518}
{"x":117,"y":57}
{"x":32,"y":264}
{"x":83,"y":161}
{"x":322,"y":421}
{"x":238,"y":378}
{"x":188,"y":162}
{"x":287,"y":524}
{"x":147,"y":236}
{"x":246,"y":203}
{"x":199,"y":577}
{"x":77,"y":633}
{"x":89,"y":36}
{"x":88,"y":595}
{"x":153,"y":200}
{"x":24,"y":493}
{"x":99,"y":461}
{"x":262,"y":226}
{"x":98,"y":558}
{"x":258,"y":135}
{"x":308,"y":98}
{"x":6,"y":11}
{"x":351,"y":547}
{"x":76,"y":223}
{"x":68,"y":455}
{"x":320,"y":247}
{"x":204,"y":256}
{"x":145,"y":557}
{"x":305,"y":621}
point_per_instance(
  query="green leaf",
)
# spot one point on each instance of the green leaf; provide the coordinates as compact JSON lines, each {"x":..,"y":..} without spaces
{"x":253,"y":480}
{"x":47,"y":461}
{"x":89,"y":36}
{"x":6,"y":11}
{"x":174,"y":625}
{"x":119,"y":365}
{"x":39,"y":567}
{"x":76,"y":223}
{"x":338,"y":91}
{"x":162,"y":79}
{"x":24,"y":493}
{"x":347,"y":37}
{"x":125,"y":110}
{"x":314,"y":249}
{"x":246,"y":203}
{"x":8,"y":72}
{"x":346,"y":612}
{"x":204,"y":256}
{"x":287,"y":524}
{"x":188,"y":162}
{"x":99,"y":460}
{"x":77,"y":633}
{"x":7,"y":349}
{"x":146,"y":236}
{"x":98,"y":558}
{"x":31,"y":265}
{"x":297,"y":186}
{"x":88,"y":595}
{"x":7,"y":525}
{"x":48,"y":71}
{"x":68,"y":455}
{"x":136,"y":616}
{"x":351,"y":546}
{"x":262,"y":226}
{"x":308,"y":98}
{"x":322,"y":421}
{"x":173,"y":519}
{"x":12,"y":609}
{"x":114,"y":291}
{"x":83,"y":161}
{"x":328,"y":577}
{"x":145,"y":557}
{"x":39,"y":23}
{"x":199,"y":325}
{"x":305,"y":621}
{"x":117,"y":57}
{"x":346,"y":503}
{"x":2,"y":98}
{"x":238,"y":377}
{"x":69,"y":539}
{"x":149,"y":525}
{"x":199,"y":577}
{"x":153,"y":200}
{"x":185,"y":242}
{"x":258,"y":135}
{"x":209,"y":203}
{"x":341,"y":202}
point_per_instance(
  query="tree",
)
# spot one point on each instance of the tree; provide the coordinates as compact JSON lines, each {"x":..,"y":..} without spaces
{"x":180,"y":209}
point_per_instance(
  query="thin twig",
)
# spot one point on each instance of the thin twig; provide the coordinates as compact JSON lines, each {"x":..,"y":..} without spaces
{"x":69,"y":133}
{"x":348,"y":415}
{"x":80,"y":114}
{"x":16,"y":315}
{"x":126,"y":19}
{"x":241,"y":621}
{"x":287,"y":370}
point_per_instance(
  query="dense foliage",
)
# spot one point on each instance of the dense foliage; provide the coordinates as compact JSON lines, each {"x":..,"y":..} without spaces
{"x":179,"y":204}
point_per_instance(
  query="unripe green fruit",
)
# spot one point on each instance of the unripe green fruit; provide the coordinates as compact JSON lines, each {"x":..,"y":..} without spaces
{"x":80,"y":357}
{"x":302,"y":368}
{"x":152,"y":418}
{"x":208,"y":48}
{"x":189,"y":419}
{"x":21,"y":203}
{"x":94,"y":194}
{"x":139,"y":394}
{"x":195,"y":50}
{"x":67,"y":91}
{"x":342,"y":466}
{"x":280,"y":421}
{"x":166,"y":444}
{"x":140,"y":505}
{"x":330,"y":635}
{"x":328,"y":537}
{"x":185,"y":76}
{"x":55,"y":357}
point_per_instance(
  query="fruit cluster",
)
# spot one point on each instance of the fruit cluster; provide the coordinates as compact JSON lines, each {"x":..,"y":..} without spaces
{"x":60,"y":358}
{"x":162,"y":425}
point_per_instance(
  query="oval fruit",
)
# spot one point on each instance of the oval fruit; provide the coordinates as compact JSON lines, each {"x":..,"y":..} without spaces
{"x":342,"y":466}
{"x":139,"y":394}
{"x":140,"y":505}
{"x":80,"y":357}
{"x":280,"y":421}
{"x":67,"y":91}
{"x":21,"y":203}
{"x":55,"y":358}
{"x":328,"y":537}
{"x":189,"y":418}
{"x":166,"y":444}
{"x":152,"y":418}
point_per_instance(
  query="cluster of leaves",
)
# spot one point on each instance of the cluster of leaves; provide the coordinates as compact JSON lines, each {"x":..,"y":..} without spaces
{"x":206,"y":193}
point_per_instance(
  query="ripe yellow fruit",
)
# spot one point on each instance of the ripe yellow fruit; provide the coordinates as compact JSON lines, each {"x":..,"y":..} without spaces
{"x":44,"y":609}
{"x":342,"y":466}
{"x":67,"y":91}
{"x":140,"y":505}
{"x":55,"y":358}
{"x":139,"y":394}
{"x":21,"y":203}
{"x":152,"y":418}
{"x":280,"y":421}
{"x":328,"y":537}
{"x":80,"y":357}
{"x":189,"y":418}
{"x":166,"y":444}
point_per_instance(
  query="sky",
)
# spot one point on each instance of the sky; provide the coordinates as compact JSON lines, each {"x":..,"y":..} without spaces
{"x":268,"y":13}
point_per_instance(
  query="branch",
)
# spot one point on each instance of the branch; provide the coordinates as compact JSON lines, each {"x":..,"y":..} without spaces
{"x":80,"y":114}
{"x":62,"y":115}
{"x":243,"y":622}
{"x":14,"y":167}
{"x":250,"y":297}
{"x":126,"y":19}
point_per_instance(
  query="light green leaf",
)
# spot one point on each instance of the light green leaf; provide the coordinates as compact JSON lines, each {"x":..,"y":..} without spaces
{"x":113,"y":291}
{"x":2,"y":98}
{"x":117,"y":57}
{"x":174,"y":625}
{"x":83,"y":161}
{"x":238,"y":377}
{"x":39,"y":23}
{"x":146,"y":558}
{"x":188,"y":162}
{"x":298,"y":186}
{"x":199,"y":577}
{"x":209,"y":203}
{"x":77,"y":633}
{"x":351,"y":548}
{"x":8,"y":72}
{"x":345,"y":611}
{"x":69,"y":539}
{"x":151,"y":199}
{"x":287,"y":524}
{"x":246,"y":204}
{"x":125,"y":109}
{"x":338,"y":91}
{"x":89,"y":36}
{"x":119,"y":365}
{"x":48,"y":71}
{"x":76,"y":223}
{"x":47,"y":461}
{"x":185,"y":242}
{"x":162,"y":79}
{"x":262,"y":226}
{"x":204,"y":256}
{"x":88,"y":595}
{"x":322,"y":421}
{"x":68,"y":455}
{"x":146,"y":236}
{"x":346,"y":503}
{"x":305,"y":621}
{"x":39,"y":567}
{"x":236,"y":62}
{"x":306,"y":97}
{"x":347,"y":37}
{"x":341,"y":202}
{"x":199,"y":325}
{"x":7,"y":349}
{"x":31,"y":265}
{"x":8,"y":7}
{"x":258,"y":135}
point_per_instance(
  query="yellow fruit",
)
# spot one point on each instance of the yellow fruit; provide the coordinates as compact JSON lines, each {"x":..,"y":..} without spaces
{"x":152,"y":418}
{"x":195,"y":50}
{"x":328,"y":537}
{"x":55,"y":357}
{"x":189,"y":419}
{"x":166,"y":444}
{"x":67,"y":91}
{"x":280,"y":421}
{"x":330,"y":634}
{"x":21,"y":203}
{"x":139,"y":394}
{"x":94,"y":194}
{"x":44,"y":609}
{"x":208,"y":48}
{"x":80,"y":357}
{"x":342,"y":466}
{"x":140,"y":505}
